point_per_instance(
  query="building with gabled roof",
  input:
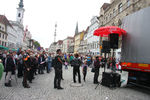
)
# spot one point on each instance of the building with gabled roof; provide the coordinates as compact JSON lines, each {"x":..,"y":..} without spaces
{"x":3,"y":30}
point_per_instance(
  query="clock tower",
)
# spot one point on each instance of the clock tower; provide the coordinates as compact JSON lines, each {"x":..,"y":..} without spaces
{"x":20,"y":12}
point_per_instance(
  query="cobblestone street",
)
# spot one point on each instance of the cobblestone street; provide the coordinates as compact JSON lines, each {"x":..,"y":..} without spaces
{"x":42,"y":89}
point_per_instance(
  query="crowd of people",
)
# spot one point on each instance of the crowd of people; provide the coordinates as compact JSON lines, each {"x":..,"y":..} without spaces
{"x":26,"y":64}
{"x":78,"y":61}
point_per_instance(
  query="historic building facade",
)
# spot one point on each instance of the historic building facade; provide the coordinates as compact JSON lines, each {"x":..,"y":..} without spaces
{"x":59,"y":45}
{"x":93,"y":41}
{"x":26,"y":39}
{"x":66,"y":43}
{"x":3,"y":30}
{"x":12,"y":37}
{"x":18,"y":24}
{"x":112,"y":14}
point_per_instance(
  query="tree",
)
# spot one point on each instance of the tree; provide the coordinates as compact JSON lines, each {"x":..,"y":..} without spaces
{"x":37,"y":44}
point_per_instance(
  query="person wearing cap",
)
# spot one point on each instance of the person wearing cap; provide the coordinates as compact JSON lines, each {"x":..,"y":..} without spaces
{"x":58,"y":70}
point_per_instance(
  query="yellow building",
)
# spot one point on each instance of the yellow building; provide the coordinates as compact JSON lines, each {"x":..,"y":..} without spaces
{"x":77,"y":39}
{"x":76,"y":42}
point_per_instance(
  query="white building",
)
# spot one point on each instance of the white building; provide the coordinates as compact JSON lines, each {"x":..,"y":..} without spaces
{"x":18,"y":24}
{"x":85,"y":51}
{"x":59,"y":45}
{"x":12,"y":37}
{"x":93,"y":41}
{"x":52,"y":48}
{"x":66,"y":43}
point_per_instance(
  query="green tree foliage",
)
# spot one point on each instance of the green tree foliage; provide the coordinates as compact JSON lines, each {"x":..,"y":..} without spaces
{"x":37,"y":44}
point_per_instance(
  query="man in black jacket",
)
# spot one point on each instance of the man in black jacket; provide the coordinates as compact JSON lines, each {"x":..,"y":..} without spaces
{"x":96,"y":66}
{"x":41,"y":61}
{"x":27,"y":67}
{"x":58,"y":70}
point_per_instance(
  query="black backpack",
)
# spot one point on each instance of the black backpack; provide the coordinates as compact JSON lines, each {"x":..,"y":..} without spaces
{"x":76,"y":62}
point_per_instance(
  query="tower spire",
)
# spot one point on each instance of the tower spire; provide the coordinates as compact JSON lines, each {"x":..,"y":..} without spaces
{"x":21,"y":4}
{"x":76,"y":30}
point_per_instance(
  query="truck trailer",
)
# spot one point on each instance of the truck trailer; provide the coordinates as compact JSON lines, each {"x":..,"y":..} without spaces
{"x":135,"y":51}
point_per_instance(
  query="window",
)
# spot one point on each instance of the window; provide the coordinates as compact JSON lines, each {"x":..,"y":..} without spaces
{"x":106,"y":19}
{"x":0,"y":27}
{"x":19,"y":15}
{"x":2,"y":43}
{"x":3,"y":28}
{"x":3,"y":36}
{"x":120,"y":8}
{"x":128,"y":3}
{"x":6,"y":37}
{"x":5,"y":44}
{"x":114,"y":14}
{"x":110,"y":16}
{"x":0,"y":35}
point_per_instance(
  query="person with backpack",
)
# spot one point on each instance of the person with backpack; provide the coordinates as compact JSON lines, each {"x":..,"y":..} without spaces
{"x":76,"y":63}
{"x":58,"y":70}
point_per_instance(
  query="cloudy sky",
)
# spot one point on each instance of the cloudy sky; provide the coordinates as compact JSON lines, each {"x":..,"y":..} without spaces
{"x":41,"y":16}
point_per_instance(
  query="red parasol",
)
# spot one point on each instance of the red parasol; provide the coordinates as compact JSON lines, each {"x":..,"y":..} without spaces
{"x":105,"y":31}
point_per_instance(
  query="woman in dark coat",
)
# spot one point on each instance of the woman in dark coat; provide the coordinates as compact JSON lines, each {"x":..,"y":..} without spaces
{"x":9,"y":68}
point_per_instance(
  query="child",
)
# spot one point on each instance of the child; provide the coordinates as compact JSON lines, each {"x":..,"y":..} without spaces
{"x":84,"y":70}
{"x":66,"y":64}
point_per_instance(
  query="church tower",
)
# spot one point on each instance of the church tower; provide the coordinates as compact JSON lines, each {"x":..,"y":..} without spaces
{"x":20,"y":12}
{"x":76,"y":30}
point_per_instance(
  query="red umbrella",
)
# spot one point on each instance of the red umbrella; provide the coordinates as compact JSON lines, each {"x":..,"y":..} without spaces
{"x":105,"y":31}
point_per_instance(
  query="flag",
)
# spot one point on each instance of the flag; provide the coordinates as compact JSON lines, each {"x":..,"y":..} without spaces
{"x":25,"y":33}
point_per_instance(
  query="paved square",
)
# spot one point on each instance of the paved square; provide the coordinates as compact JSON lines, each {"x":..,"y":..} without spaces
{"x":42,"y":89}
